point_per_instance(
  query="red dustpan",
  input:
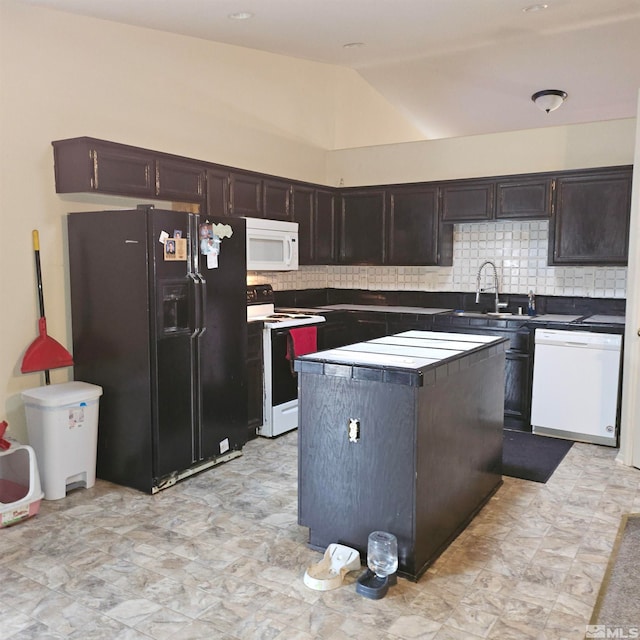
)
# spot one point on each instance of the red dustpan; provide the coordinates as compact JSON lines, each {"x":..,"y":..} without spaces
{"x":44,"y":352}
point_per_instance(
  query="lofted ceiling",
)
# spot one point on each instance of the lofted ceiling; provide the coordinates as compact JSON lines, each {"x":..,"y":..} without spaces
{"x":451,"y":67}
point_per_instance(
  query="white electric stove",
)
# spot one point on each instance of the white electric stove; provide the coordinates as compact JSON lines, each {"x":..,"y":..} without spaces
{"x":280,"y":384}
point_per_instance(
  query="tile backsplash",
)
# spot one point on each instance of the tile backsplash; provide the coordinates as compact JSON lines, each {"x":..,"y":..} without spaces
{"x":518,"y":249}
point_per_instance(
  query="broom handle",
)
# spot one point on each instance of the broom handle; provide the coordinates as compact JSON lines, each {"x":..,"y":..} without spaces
{"x":36,"y":250}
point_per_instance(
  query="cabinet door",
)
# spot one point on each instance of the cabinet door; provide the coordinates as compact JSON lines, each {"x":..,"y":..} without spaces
{"x":123,"y":172}
{"x":367,"y":325}
{"x":245,"y":195}
{"x":176,"y":180}
{"x":277,"y":197}
{"x":255,"y":378}
{"x":413,"y":226}
{"x":362,"y":228}
{"x":468,"y":201}
{"x":591,"y":224}
{"x":517,"y":391}
{"x":335,"y":331}
{"x":303,"y":207}
{"x":218,"y":192}
{"x":518,"y":367}
{"x":87,"y":164}
{"x":524,"y":198}
{"x":325,"y":228}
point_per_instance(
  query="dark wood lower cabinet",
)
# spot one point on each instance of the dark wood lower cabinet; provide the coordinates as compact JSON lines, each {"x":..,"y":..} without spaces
{"x":517,"y":391}
{"x":334,"y":332}
{"x":348,"y":327}
{"x":255,"y":377}
{"x":518,"y":367}
{"x":367,"y":326}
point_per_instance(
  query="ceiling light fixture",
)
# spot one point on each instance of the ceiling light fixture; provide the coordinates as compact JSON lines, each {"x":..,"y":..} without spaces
{"x":549,"y":99}
{"x":535,"y":7}
{"x":240,"y":15}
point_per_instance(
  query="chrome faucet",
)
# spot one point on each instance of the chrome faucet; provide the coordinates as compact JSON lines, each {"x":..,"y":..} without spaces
{"x":495,"y":286}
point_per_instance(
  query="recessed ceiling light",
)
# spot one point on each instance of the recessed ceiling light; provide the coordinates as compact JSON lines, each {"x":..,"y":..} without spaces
{"x":535,"y":7}
{"x":240,"y":15}
{"x":353,"y":45}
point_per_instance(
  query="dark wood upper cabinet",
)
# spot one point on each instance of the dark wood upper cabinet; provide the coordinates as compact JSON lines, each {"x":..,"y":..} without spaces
{"x":245,"y":195}
{"x":591,"y":218}
{"x":412,"y":230}
{"x":467,"y":200}
{"x":87,"y":164}
{"x":589,"y":210}
{"x":178,"y":180}
{"x":218,"y":192}
{"x":524,"y":197}
{"x":362,"y":227}
{"x":325,"y":225}
{"x":302,"y":213}
{"x":117,"y":172}
{"x":277,"y":199}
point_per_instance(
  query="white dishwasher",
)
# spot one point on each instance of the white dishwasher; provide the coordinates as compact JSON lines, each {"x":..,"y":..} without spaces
{"x":575,"y":385}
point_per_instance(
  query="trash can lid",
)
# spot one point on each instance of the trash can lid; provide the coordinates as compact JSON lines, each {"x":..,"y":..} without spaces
{"x":58,"y":395}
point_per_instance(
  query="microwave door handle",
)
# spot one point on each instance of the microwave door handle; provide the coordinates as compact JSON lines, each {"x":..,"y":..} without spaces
{"x":290,"y":247}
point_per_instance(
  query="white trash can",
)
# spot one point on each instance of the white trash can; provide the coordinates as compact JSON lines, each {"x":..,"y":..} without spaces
{"x":62,"y":423}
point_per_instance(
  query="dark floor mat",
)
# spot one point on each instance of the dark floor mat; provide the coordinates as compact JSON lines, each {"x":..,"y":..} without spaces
{"x":531,"y":457}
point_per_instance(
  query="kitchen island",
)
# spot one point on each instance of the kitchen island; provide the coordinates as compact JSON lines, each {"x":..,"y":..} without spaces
{"x":401,"y":434}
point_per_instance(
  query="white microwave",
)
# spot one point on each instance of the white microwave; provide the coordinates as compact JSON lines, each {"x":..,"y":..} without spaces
{"x":272,"y":245}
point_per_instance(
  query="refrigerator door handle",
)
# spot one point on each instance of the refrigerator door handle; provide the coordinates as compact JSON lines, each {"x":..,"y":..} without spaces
{"x":197,"y":304}
{"x":203,"y":303}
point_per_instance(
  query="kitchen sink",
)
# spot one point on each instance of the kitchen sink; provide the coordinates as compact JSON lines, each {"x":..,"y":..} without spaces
{"x":488,"y":314}
{"x":500,"y":314}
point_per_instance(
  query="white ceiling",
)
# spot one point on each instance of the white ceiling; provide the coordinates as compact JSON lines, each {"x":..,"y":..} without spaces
{"x":452,"y":67}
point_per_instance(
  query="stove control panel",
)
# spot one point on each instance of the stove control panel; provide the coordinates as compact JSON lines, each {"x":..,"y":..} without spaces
{"x":260,"y":294}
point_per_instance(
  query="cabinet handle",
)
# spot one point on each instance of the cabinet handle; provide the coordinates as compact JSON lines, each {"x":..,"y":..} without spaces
{"x":94,"y":165}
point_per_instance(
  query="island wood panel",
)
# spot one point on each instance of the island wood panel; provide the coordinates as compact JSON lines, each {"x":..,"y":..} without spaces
{"x":427,"y":459}
{"x":344,"y":488}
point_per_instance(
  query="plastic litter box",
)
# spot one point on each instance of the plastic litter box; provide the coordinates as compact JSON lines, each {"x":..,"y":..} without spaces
{"x":20,"y":489}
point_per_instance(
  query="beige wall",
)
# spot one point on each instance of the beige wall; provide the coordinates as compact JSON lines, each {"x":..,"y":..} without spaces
{"x":581,"y":146}
{"x":630,"y":411}
{"x":65,"y":76}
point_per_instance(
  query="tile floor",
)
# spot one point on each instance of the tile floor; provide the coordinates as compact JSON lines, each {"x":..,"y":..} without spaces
{"x":220,"y":556}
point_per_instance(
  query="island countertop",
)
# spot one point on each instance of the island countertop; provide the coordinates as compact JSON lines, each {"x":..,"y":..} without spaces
{"x":403,"y":358}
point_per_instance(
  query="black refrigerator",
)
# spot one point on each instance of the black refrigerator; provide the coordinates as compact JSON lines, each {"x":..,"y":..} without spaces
{"x":158,"y":301}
